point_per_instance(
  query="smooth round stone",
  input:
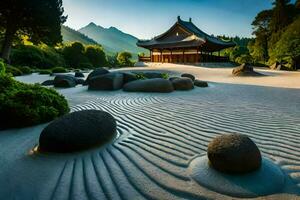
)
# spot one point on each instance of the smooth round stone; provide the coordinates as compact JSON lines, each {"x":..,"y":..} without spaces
{"x":78,"y":131}
{"x":183,"y":83}
{"x":199,"y":83}
{"x":267,"y":180}
{"x":234,"y":153}
{"x":189,"y":76}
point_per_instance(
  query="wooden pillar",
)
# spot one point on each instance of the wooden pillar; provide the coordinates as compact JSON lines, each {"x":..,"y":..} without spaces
{"x":171,"y":58}
{"x":151,"y":55}
{"x":197,"y":56}
{"x":161,"y":56}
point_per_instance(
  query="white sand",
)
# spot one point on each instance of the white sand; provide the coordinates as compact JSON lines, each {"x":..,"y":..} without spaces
{"x":282,"y":79}
{"x":160,"y":135}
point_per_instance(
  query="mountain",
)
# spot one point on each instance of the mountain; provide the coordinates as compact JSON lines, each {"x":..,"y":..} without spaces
{"x":70,"y":35}
{"x":112,"y":38}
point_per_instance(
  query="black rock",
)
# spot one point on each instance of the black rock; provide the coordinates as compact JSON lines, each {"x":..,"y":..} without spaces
{"x":183,"y":83}
{"x":234,"y":153}
{"x":64,"y":81}
{"x":48,"y":83}
{"x":149,"y":85}
{"x":199,"y":83}
{"x":78,"y":131}
{"x":189,"y":76}
{"x":110,"y":81}
{"x":80,"y":81}
{"x":96,"y":72}
{"x":245,"y":70}
{"x":128,"y":77}
{"x":173,"y":78}
{"x":79,"y":75}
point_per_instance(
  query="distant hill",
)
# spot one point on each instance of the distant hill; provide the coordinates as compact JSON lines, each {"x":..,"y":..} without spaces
{"x":71,"y":35}
{"x":112,"y":38}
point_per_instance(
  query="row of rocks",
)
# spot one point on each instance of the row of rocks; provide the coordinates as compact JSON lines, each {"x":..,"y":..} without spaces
{"x":64,"y":81}
{"x":101,"y":79}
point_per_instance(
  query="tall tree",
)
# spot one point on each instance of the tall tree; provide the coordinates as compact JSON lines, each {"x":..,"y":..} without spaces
{"x":283,"y":13}
{"x":39,"y":19}
{"x":261,"y":26}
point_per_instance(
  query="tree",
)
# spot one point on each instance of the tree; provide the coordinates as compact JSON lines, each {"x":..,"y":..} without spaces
{"x":96,"y":55}
{"x":124,"y":59}
{"x":39,"y":19}
{"x":74,"y":54}
{"x":288,"y":47}
{"x":282,"y":15}
{"x":261,"y":26}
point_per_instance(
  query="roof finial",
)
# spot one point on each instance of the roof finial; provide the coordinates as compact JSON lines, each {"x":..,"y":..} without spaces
{"x":178,"y":18}
{"x":190,"y":19}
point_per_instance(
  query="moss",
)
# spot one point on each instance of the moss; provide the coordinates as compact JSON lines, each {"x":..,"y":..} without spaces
{"x":44,"y":71}
{"x":59,"y":70}
{"x":24,"y":105}
{"x":25,"y":70}
{"x":13,"y":71}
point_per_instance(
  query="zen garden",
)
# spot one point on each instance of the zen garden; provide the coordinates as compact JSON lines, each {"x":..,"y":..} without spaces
{"x":163,"y":100}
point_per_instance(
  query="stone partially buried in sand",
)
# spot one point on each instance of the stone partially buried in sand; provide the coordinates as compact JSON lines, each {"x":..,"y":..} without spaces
{"x":96,"y":72}
{"x":78,"y":131}
{"x":64,"y":81}
{"x":183,"y":83}
{"x":189,"y":76}
{"x":234,"y":153}
{"x":199,"y":83}
{"x":245,"y":70}
{"x":149,"y":85}
{"x":110,"y":81}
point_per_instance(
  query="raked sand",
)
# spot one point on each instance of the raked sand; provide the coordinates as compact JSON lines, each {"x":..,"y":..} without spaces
{"x":160,"y":136}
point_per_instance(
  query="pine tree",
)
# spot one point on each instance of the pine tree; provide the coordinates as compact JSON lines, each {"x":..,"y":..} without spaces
{"x":39,"y":19}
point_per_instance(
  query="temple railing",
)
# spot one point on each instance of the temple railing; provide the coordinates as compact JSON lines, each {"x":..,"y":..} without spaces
{"x":144,"y":59}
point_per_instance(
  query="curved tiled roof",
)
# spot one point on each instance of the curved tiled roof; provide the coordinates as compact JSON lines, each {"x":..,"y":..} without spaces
{"x":205,"y":40}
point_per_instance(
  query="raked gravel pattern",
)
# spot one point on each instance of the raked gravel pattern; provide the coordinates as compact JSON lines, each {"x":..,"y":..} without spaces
{"x":159,"y":136}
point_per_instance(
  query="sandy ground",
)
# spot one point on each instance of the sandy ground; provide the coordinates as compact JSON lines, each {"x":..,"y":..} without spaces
{"x":160,"y":136}
{"x":282,"y":79}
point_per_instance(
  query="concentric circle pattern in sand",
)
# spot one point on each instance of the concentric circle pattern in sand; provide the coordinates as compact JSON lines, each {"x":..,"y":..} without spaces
{"x":160,"y":134}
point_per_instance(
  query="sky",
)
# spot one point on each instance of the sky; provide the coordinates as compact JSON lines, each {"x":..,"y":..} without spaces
{"x":147,"y":18}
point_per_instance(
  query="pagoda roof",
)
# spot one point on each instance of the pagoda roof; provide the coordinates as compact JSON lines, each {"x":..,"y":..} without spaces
{"x":195,"y":38}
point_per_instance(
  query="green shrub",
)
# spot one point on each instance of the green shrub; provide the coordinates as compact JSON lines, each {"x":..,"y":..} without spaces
{"x":244,"y":59}
{"x":2,"y":68}
{"x":26,"y":105}
{"x":25,"y":70}
{"x":41,"y":56}
{"x":165,"y":76}
{"x":59,"y":70}
{"x":85,"y":65}
{"x":13,"y":70}
{"x":44,"y":71}
{"x":140,"y":76}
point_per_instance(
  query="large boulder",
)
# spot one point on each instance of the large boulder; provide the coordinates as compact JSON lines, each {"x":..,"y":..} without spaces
{"x":128,"y":77}
{"x":77,"y":131}
{"x":244,"y":70}
{"x":79,"y":74}
{"x":183,"y":83}
{"x":48,"y":83}
{"x":80,"y":81}
{"x":234,"y":153}
{"x":189,"y":76}
{"x":96,"y":72}
{"x":199,"y":83}
{"x":110,"y":81}
{"x":149,"y":85}
{"x":64,"y":81}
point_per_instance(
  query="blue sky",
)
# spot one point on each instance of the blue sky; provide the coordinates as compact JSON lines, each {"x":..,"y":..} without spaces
{"x":148,"y":18}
